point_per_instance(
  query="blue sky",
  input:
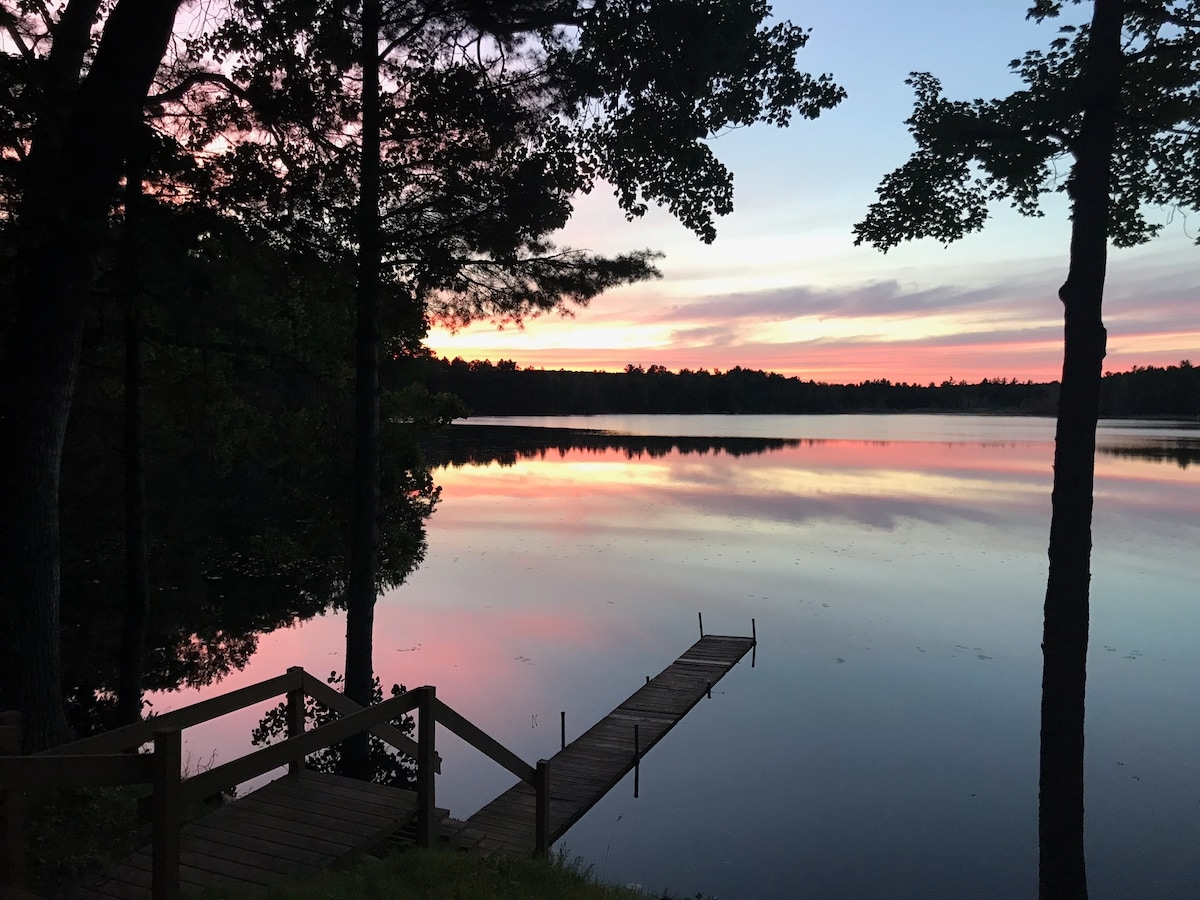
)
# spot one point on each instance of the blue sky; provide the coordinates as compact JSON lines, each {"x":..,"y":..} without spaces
{"x":784,"y":288}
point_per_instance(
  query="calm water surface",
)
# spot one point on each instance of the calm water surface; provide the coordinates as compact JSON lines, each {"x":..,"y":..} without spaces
{"x":886,"y":742}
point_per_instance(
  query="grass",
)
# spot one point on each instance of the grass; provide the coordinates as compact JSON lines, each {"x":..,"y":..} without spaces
{"x":443,"y":875}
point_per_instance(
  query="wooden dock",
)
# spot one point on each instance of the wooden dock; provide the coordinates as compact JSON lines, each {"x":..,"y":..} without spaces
{"x":590,"y":766}
{"x":304,"y":821}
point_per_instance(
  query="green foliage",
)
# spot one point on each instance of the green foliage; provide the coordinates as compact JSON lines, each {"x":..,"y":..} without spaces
{"x":970,"y":154}
{"x":387,"y":765}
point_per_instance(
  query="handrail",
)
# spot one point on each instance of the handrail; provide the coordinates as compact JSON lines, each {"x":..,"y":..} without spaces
{"x":483,"y":742}
{"x":235,"y":772}
{"x":130,"y":736}
{"x":538,"y":778}
{"x":98,"y":762}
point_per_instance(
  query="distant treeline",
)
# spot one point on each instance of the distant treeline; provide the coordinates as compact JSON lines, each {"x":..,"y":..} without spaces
{"x":504,"y":389}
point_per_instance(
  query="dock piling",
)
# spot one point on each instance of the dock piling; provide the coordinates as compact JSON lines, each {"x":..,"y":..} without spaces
{"x":563,"y":720}
{"x":541,"y":815}
{"x":700,"y":616}
{"x":637,"y":760}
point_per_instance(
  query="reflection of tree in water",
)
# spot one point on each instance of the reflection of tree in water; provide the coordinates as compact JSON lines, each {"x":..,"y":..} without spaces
{"x":219,"y":579}
{"x":505,"y":445}
{"x":238,"y":548}
{"x":1181,"y":451}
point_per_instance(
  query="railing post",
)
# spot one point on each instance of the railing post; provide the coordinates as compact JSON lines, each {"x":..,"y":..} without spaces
{"x":295,"y":715}
{"x":12,"y":819}
{"x":426,"y":754}
{"x":541,"y":815}
{"x":167,"y":799}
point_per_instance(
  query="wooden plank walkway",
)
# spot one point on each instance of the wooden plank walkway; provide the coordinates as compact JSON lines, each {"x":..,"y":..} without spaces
{"x":299,"y":822}
{"x":590,"y":766}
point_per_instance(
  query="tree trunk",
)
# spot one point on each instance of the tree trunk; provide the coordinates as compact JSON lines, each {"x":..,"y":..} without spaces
{"x":1062,"y":870}
{"x":137,"y":590}
{"x":364,"y":542}
{"x":80,"y":142}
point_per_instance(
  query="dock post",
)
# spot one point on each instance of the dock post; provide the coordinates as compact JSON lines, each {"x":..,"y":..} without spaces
{"x":708,"y":690}
{"x":563,"y":741}
{"x":637,"y":760}
{"x":12,"y":812}
{"x":754,"y":646}
{"x":168,"y":808}
{"x":541,"y":816}
{"x":700,"y":616}
{"x":295,"y":715}
{"x":426,"y":754}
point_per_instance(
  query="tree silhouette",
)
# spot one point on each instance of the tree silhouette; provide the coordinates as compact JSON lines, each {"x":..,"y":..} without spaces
{"x":1117,"y":96}
{"x":450,"y":140}
{"x":86,"y":114}
{"x":622,"y":91}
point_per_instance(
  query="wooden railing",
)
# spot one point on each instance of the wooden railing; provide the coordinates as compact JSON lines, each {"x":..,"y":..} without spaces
{"x":104,"y":760}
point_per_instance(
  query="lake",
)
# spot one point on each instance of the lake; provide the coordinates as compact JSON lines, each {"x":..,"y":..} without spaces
{"x":885,"y":743}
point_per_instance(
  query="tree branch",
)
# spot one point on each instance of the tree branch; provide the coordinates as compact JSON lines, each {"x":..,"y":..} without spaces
{"x":179,"y":91}
{"x":10,"y":23}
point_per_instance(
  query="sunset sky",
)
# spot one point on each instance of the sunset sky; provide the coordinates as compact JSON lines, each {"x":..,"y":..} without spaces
{"x":783,"y":288}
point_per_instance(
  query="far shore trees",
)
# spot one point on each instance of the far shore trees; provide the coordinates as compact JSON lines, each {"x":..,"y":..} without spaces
{"x":1116,"y":95}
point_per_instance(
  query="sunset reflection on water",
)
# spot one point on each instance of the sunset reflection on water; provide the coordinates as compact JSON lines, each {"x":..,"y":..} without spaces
{"x":885,"y":744}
